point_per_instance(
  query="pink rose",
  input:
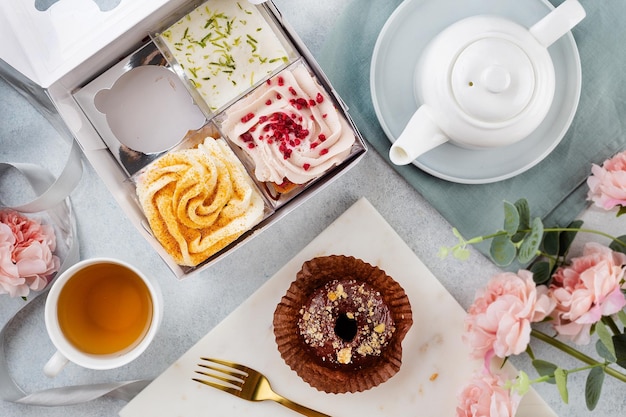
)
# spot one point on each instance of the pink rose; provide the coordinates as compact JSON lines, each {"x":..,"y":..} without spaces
{"x":586,"y":290}
{"x":26,"y":254}
{"x":499,"y":320}
{"x":485,"y":396}
{"x":607,"y":183}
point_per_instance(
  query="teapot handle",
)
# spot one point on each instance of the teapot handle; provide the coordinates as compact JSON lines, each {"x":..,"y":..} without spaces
{"x":420,"y":135}
{"x":558,"y":22}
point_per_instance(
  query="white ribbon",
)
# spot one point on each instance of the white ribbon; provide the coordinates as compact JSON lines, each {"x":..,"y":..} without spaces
{"x":53,"y":198}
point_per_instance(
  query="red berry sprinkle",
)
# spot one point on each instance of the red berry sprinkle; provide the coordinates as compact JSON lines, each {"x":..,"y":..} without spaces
{"x":247,"y":118}
{"x":306,"y":166}
{"x":268,"y":102}
{"x":281,"y":81}
{"x":319,"y":97}
{"x":323,"y":151}
{"x":281,"y":129}
{"x":278,"y":96}
{"x":293,"y":91}
{"x":322,"y":137}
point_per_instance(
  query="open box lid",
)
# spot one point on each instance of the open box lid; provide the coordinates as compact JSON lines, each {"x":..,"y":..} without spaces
{"x":45,"y":39}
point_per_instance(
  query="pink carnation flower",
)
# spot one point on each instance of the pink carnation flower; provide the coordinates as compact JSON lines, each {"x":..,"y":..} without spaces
{"x":586,"y":290}
{"x":499,"y":320}
{"x":26,"y":254}
{"x":485,"y":396}
{"x":607,"y":183}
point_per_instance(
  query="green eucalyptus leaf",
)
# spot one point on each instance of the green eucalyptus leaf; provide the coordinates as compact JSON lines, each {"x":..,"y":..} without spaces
{"x":522,"y":384}
{"x":593,"y":387}
{"x":617,"y":246}
{"x":605,"y":336}
{"x":551,"y":243}
{"x":541,"y":272}
{"x":511,"y":218}
{"x":524,"y":219}
{"x":461,"y":253}
{"x":545,"y":368}
{"x":529,"y":352}
{"x":502,"y":250}
{"x":621,"y":315}
{"x":619,"y":342}
{"x":567,"y":238}
{"x":524,"y":212}
{"x":560,"y":376}
{"x":621,"y":210}
{"x":530,"y":246}
{"x":604,"y":352}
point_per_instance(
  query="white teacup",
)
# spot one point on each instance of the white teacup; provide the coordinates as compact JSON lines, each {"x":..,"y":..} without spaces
{"x":101,"y":314}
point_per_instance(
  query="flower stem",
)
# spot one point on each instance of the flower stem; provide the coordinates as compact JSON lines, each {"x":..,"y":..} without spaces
{"x":583,"y":230}
{"x":576,"y":354}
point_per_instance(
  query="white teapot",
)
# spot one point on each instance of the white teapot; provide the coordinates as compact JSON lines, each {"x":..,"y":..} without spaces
{"x":485,"y":81}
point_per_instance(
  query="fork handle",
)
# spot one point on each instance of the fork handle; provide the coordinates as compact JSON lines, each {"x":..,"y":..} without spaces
{"x":306,"y":411}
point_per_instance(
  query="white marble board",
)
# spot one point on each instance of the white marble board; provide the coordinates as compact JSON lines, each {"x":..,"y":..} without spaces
{"x":435,"y":361}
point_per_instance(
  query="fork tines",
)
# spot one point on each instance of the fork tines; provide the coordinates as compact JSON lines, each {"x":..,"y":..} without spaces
{"x":224,"y":373}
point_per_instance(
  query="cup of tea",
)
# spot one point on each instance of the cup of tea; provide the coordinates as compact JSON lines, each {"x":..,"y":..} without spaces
{"x":101,"y":313}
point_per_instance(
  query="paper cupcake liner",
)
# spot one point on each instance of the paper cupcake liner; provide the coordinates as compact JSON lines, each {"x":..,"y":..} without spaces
{"x":314,"y":274}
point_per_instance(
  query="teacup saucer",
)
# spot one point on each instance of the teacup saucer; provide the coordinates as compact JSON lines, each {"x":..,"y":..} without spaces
{"x":400,"y":43}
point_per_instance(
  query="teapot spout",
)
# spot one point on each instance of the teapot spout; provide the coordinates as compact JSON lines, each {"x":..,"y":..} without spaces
{"x":420,"y":135}
{"x":558,"y":22}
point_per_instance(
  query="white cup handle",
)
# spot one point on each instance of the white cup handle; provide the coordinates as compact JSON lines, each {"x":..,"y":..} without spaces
{"x":55,"y":364}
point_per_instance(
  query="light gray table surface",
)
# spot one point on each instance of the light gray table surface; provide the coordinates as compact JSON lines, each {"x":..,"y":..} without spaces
{"x":194,"y":306}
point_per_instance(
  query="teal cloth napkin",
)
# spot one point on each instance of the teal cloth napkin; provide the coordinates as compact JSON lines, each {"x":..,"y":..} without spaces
{"x":556,"y":187}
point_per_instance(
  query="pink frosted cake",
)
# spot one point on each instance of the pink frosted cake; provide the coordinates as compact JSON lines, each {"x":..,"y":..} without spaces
{"x":290,"y":128}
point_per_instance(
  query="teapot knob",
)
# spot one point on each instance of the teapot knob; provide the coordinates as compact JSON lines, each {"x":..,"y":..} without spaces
{"x":496,"y":79}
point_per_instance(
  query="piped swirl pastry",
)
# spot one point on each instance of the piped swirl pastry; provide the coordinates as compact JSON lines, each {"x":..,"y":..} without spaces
{"x":290,"y":128}
{"x":197,"y":201}
{"x":341,"y":324}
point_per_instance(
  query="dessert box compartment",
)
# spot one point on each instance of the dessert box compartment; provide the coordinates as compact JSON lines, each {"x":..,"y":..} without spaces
{"x":234,"y":29}
{"x":140,"y":108}
{"x":135,"y":62}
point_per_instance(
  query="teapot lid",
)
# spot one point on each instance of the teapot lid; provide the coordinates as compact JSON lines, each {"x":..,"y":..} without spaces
{"x":493,"y":80}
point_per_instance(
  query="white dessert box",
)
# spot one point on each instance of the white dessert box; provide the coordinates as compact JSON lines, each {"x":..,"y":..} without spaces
{"x":73,"y":50}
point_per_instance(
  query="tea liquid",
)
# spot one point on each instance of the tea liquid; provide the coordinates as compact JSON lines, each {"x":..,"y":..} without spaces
{"x":104,"y":309}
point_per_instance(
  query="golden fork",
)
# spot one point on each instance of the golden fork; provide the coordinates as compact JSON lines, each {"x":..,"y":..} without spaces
{"x":246,"y":383}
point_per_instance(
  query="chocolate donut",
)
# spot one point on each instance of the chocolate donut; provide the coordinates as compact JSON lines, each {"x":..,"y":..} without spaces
{"x":346,"y":323}
{"x":341,"y":324}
